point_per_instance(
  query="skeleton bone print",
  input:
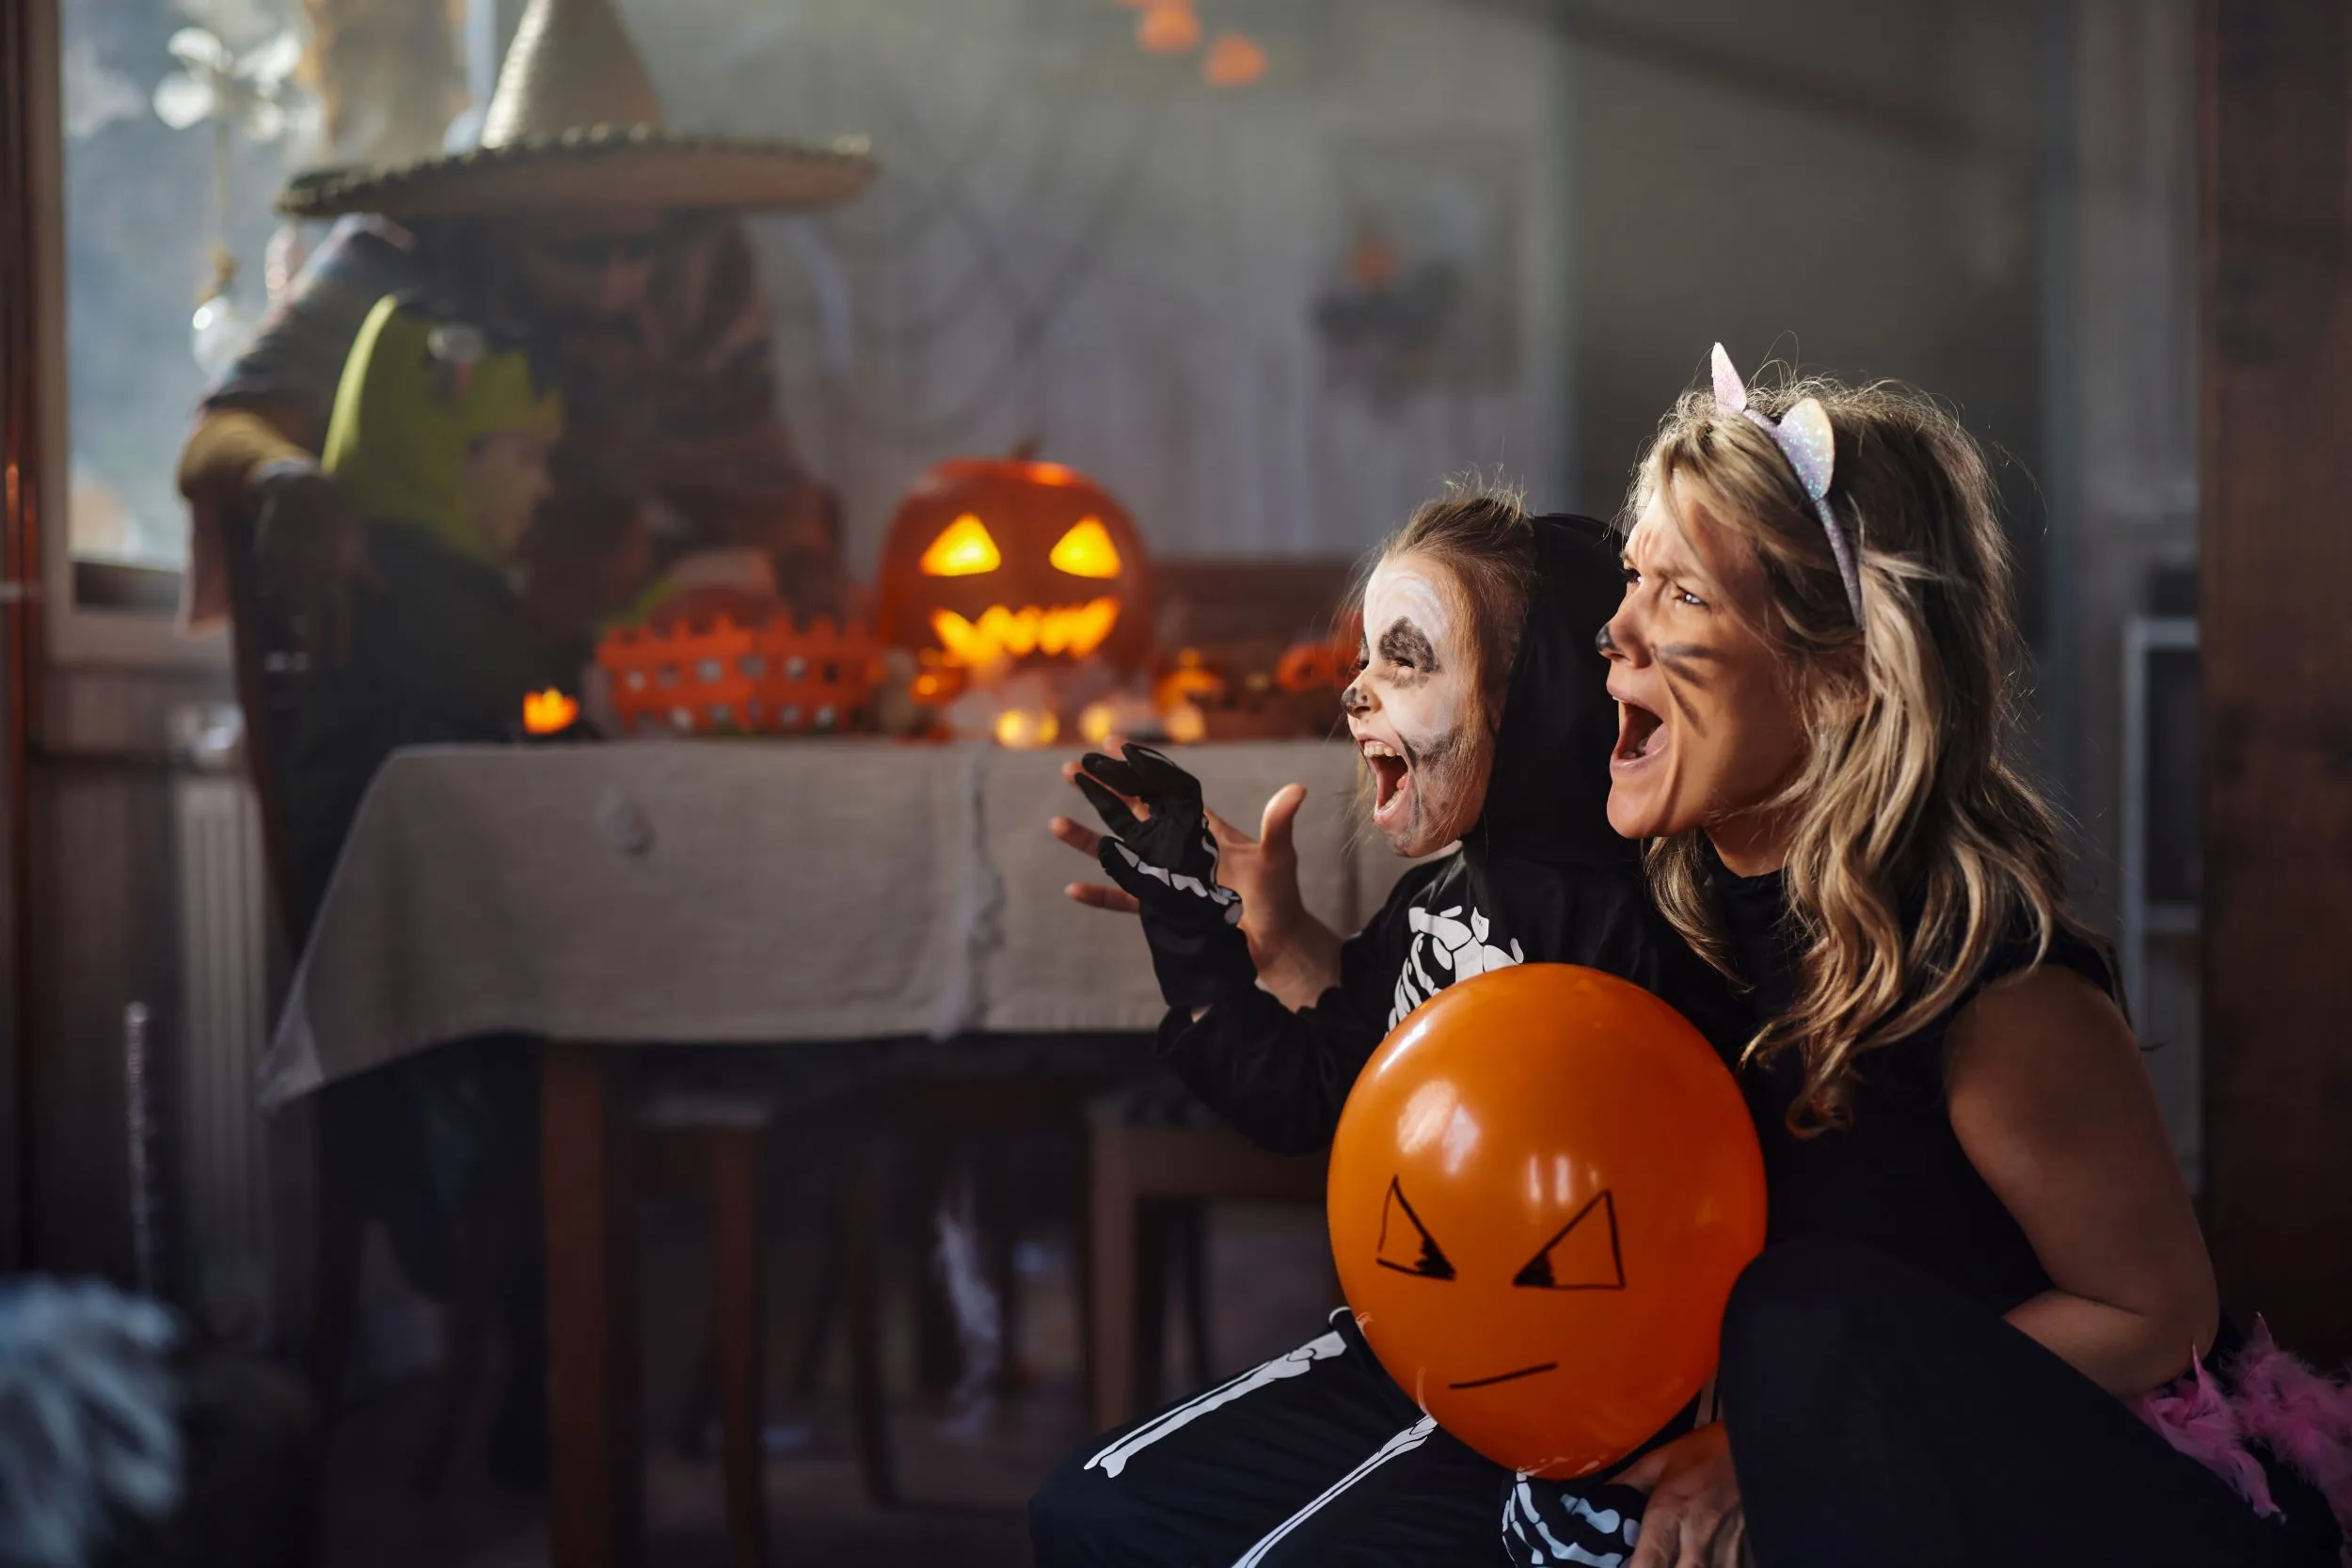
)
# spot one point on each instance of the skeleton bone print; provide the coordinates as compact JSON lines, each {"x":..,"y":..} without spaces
{"x":1224,"y":899}
{"x":1448,"y":944}
{"x":1577,"y":1534}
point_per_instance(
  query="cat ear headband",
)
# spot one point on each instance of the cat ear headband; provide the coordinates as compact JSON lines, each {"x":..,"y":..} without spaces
{"x":1803,"y":438}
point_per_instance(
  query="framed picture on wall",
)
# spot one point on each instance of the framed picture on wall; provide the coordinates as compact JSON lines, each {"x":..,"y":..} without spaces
{"x":1420,"y":282}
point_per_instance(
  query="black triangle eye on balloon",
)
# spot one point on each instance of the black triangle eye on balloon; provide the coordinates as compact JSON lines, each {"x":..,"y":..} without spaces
{"x":1406,"y":1244}
{"x":1583,"y":1255}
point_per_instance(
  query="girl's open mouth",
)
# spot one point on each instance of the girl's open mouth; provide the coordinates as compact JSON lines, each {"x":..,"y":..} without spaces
{"x":1641,"y":738}
{"x":1393,"y":781}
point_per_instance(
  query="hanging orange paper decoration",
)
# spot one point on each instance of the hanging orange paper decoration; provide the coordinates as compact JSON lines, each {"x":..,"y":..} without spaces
{"x":1168,"y":27}
{"x":1234,"y":60}
{"x":1005,"y":562}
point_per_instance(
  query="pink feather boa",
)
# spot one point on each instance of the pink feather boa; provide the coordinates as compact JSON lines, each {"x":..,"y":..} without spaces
{"x":2272,"y":1397}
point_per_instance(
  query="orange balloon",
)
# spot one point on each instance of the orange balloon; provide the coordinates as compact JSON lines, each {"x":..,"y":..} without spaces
{"x":1542,"y":1188}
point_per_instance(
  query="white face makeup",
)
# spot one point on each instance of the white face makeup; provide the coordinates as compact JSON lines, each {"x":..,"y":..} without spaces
{"x":1412,"y":710}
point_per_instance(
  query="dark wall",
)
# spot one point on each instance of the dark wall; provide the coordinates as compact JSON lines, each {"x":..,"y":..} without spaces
{"x":1853,"y":186}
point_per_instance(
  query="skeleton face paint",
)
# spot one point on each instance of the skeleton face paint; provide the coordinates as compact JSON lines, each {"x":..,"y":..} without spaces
{"x":1413,"y":710}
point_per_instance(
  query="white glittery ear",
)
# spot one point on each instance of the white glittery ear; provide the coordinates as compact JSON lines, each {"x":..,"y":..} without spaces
{"x":1730,"y":396}
{"x":1805,"y":436}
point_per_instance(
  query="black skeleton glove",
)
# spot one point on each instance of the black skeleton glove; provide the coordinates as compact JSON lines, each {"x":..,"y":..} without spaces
{"x":1167,"y":862}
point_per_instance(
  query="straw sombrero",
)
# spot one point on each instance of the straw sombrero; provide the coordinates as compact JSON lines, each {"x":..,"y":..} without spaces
{"x":574,"y":126}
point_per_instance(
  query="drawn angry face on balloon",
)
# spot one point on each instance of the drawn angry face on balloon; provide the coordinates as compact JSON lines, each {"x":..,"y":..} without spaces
{"x":1543,"y":1187}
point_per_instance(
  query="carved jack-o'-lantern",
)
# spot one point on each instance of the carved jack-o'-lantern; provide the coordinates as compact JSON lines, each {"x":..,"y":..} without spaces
{"x":994,"y":561}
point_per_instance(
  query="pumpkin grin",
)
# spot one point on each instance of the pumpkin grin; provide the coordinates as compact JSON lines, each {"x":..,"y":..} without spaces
{"x":1072,"y":630}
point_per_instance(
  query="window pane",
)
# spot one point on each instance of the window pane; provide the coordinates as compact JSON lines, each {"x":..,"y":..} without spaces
{"x":143,"y":223}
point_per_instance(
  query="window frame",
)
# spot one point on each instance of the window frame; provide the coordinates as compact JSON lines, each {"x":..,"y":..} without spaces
{"x":78,"y":631}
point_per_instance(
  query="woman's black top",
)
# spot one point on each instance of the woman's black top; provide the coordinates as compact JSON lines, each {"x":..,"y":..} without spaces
{"x":1895,"y":1177}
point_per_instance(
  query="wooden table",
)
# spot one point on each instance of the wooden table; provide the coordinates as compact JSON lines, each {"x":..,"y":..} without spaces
{"x":607,"y":898}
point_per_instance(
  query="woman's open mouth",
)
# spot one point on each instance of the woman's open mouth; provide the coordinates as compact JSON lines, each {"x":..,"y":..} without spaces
{"x":1641,"y":738}
{"x":1393,"y":782}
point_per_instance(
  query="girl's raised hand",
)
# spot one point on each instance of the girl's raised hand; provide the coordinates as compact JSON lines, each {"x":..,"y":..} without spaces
{"x":1296,"y":955}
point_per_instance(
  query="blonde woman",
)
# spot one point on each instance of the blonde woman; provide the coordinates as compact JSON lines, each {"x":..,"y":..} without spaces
{"x":1984,"y":1270}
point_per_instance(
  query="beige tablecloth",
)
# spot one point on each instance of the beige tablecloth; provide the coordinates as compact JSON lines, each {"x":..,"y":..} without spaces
{"x":748,"y":892}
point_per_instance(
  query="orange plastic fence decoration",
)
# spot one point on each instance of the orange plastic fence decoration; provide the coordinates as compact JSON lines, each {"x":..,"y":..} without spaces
{"x":719,"y":677}
{"x":548,"y":712}
{"x":1543,"y":1186}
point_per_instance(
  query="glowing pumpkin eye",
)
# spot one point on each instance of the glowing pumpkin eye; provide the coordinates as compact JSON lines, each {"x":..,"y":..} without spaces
{"x":1087,"y":550}
{"x":962,"y":549}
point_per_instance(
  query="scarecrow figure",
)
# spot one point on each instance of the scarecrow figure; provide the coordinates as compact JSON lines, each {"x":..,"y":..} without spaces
{"x":583,"y":255}
{"x":606,"y":246}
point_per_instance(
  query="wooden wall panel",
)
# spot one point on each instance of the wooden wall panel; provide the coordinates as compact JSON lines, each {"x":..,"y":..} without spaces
{"x":2277,"y":545}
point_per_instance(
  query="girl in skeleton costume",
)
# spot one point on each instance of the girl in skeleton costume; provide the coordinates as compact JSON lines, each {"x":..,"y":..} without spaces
{"x":1984,"y":1329}
{"x":1481,"y":718}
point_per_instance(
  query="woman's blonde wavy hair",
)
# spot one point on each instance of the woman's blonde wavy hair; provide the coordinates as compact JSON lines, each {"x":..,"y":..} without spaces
{"x":1919,"y":844}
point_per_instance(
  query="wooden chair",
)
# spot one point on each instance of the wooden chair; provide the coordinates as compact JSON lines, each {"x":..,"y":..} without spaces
{"x":270,"y":665}
{"x":1151,"y":1160}
{"x":922,"y":1115}
{"x":1156,"y":1161}
{"x":711,"y":1143}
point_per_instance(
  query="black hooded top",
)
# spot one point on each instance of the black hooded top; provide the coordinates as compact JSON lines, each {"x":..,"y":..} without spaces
{"x":1540,"y":878}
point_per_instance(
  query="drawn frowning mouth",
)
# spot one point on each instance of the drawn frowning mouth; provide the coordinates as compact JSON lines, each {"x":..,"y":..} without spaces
{"x":1505,"y":1377}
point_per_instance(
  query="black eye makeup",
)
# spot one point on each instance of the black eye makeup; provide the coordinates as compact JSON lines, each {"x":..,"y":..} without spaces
{"x":1407,"y":646}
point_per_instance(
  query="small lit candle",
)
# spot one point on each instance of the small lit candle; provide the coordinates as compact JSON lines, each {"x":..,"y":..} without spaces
{"x":1185,"y":725}
{"x":1096,"y":723}
{"x":548,"y":712}
{"x":1024,"y":729}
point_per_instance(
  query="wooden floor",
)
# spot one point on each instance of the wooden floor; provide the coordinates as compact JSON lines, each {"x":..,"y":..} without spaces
{"x":967,"y":1475}
{"x":968,"y":1494}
